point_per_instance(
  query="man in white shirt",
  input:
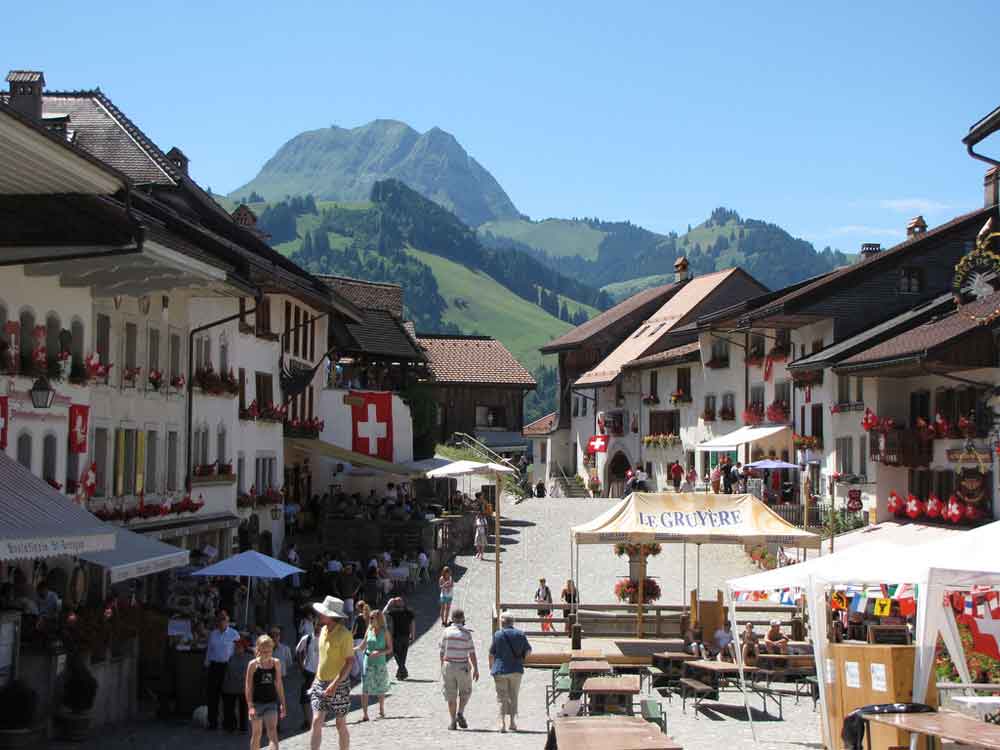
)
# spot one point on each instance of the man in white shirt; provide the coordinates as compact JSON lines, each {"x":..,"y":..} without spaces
{"x":218,"y":650}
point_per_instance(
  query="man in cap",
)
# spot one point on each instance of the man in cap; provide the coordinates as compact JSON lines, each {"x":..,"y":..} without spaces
{"x":458,"y":654}
{"x":775,"y":642}
{"x":331,"y":689}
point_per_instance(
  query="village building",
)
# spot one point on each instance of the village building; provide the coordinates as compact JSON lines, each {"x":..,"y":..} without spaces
{"x":479,"y":389}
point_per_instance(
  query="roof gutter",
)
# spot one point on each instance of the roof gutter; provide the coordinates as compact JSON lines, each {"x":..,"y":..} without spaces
{"x":879,"y":363}
{"x":979,"y":132}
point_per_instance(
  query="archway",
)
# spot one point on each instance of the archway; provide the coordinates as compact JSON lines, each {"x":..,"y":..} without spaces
{"x":615,"y":474}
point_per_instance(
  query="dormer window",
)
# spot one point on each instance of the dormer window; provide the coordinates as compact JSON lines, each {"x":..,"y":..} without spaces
{"x":911,"y":280}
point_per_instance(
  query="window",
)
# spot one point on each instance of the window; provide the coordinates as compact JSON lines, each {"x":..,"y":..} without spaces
{"x":817,"y":421}
{"x":920,"y":406}
{"x":654,"y":386}
{"x":757,"y":396}
{"x":576,"y":406}
{"x":489,"y":416}
{"x":220,"y":445}
{"x":543,"y":451}
{"x":24,"y":450}
{"x":720,"y":352}
{"x":783,"y":393}
{"x":922,"y":483}
{"x":101,"y":461}
{"x":843,"y":389}
{"x":862,"y":456}
{"x":911,"y":280}
{"x":619,"y":392}
{"x":729,"y":402}
{"x":288,"y":327}
{"x":264,"y":389}
{"x":204,"y":446}
{"x":153,"y":355}
{"x":312,"y":414}
{"x":241,"y":467}
{"x":944,"y":484}
{"x":756,"y":347}
{"x":262,"y":315}
{"x":312,"y":339}
{"x":294,"y":410}
{"x":203,"y":353}
{"x":150,"y":483}
{"x":243,"y":311}
{"x":172,"y":458}
{"x":781,"y":341}
{"x":263,"y":473}
{"x":49,"y":448}
{"x":664,"y":422}
{"x":76,"y":343}
{"x":684,"y":380}
{"x":242,"y":382}
{"x":131,"y":345}
{"x":223,"y":355}
{"x":859,"y":390}
{"x":583,"y":406}
{"x":175,"y":356}
{"x":27,"y":335}
{"x":125,"y":454}
{"x":3,"y":317}
{"x":52,"y":331}
{"x":72,"y":469}
{"x":710,"y":405}
{"x":103,"y":342}
{"x":845,"y":455}
{"x":297,"y":332}
{"x":817,"y":345}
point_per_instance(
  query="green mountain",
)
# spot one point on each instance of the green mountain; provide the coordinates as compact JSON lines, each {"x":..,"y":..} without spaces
{"x":343,"y":164}
{"x":629,"y":258}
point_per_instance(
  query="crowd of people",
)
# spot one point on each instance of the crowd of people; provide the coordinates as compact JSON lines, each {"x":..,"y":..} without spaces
{"x":394,"y":504}
{"x":722,"y":646}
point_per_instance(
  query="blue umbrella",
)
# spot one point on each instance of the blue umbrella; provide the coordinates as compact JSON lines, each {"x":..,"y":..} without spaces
{"x":253,"y":565}
{"x":770,"y":463}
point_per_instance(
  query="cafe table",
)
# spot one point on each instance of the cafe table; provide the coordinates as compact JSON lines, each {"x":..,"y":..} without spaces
{"x":942,"y":725}
{"x":716,"y":674}
{"x":611,"y":694}
{"x":580,"y":654}
{"x":580,"y":670}
{"x":610,"y":733}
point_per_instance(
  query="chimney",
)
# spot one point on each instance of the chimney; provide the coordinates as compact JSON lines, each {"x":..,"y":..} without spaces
{"x":26,"y":92}
{"x":178,"y":159}
{"x":916,"y":226}
{"x":870,"y":250}
{"x":990,"y":182}
{"x":681,"y":270}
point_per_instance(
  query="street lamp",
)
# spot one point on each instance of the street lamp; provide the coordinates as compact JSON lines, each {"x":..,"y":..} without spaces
{"x":42,"y":394}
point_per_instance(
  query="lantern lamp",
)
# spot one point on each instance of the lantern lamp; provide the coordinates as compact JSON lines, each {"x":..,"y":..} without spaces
{"x":42,"y":394}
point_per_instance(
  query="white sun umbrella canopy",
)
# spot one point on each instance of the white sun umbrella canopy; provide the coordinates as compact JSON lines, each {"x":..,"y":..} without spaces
{"x":467,"y":468}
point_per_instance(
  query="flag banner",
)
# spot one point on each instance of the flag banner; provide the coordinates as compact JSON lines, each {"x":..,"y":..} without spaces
{"x":79,"y":417}
{"x":371,"y":415}
{"x":4,"y":405}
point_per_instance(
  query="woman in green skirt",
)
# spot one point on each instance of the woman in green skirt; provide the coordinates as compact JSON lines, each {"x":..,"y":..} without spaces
{"x":378,"y":648}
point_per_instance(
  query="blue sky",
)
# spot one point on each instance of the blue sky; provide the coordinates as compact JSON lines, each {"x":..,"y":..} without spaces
{"x":839,"y":123}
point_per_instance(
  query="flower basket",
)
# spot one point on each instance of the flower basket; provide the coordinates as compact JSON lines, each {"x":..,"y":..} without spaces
{"x":708,"y":415}
{"x":177,"y":382}
{"x":661,"y":441}
{"x":727,"y":414}
{"x":753,"y":415}
{"x":634,"y":550}
{"x":803,"y":379}
{"x":251,"y":412}
{"x":270,"y":496}
{"x":204,"y":470}
{"x":155,"y":379}
{"x":244,"y":500}
{"x":651,"y":399}
{"x":807,"y":442}
{"x":130,"y":374}
{"x":778,"y":354}
{"x":96,"y":370}
{"x":777,"y":412}
{"x":273,"y":413}
{"x":627,"y":590}
{"x":680,"y":397}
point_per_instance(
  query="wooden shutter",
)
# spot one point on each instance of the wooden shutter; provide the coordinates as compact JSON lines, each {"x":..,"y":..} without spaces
{"x":140,"y":461}
{"x":119,"y":462}
{"x":243,"y":388}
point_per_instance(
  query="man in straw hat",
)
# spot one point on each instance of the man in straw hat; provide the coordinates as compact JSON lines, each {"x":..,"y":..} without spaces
{"x":331,"y":689}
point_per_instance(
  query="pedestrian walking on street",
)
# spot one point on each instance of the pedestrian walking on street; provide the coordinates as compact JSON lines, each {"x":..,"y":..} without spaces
{"x":307,"y":651}
{"x":331,"y":690}
{"x":349,"y":586}
{"x":402,"y":623}
{"x":378,"y":648}
{"x":677,"y":474}
{"x":265,"y":694}
{"x":507,"y":653}
{"x":480,"y":538}
{"x":360,"y":631}
{"x":445,"y":584}
{"x":234,"y":702}
{"x":218,"y":651}
{"x":570,"y":596}
{"x":543,"y":595}
{"x":458,"y":656}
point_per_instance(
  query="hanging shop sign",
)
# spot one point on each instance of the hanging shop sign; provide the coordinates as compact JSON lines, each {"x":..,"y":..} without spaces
{"x":972,"y":486}
{"x":961,"y":456}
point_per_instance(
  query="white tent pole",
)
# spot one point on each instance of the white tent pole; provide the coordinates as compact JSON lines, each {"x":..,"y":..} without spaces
{"x":953,"y":642}
{"x":697,"y":597}
{"x":246,"y":614}
{"x":684,"y":578}
{"x":731,"y":602}
{"x":816,"y":602}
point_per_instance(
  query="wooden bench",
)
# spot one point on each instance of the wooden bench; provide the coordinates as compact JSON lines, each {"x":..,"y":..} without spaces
{"x":652,"y":712}
{"x":697,"y":689}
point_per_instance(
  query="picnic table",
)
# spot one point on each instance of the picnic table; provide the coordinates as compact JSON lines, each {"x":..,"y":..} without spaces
{"x":609,"y":733}
{"x":580,"y":654}
{"x":947,"y":725}
{"x":611,"y":694}
{"x":579,"y":671}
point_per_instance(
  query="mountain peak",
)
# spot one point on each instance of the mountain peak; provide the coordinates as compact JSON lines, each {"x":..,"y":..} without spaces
{"x":343,"y":164}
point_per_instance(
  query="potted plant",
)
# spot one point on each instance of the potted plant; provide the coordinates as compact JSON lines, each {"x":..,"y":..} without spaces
{"x":18,"y":706}
{"x":79,"y":691}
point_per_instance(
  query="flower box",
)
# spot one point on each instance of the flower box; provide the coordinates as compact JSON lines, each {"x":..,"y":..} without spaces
{"x":708,"y":415}
{"x":727,"y":414}
{"x":680,"y":397}
{"x":753,"y":415}
{"x":803,"y":379}
{"x":717,"y":364}
{"x":155,"y":379}
{"x":661,"y":441}
{"x":807,"y":442}
{"x":777,"y":412}
{"x":273,"y":413}
{"x":650,"y":399}
{"x":634,"y":550}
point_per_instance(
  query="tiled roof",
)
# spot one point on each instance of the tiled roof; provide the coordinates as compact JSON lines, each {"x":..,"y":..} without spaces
{"x":915,"y":342}
{"x":542,"y":426}
{"x":368,"y":295}
{"x":99,"y":127}
{"x":473,"y":359}
{"x":682,"y":353}
{"x":382,"y":334}
{"x":641,"y":305}
{"x":865,"y":265}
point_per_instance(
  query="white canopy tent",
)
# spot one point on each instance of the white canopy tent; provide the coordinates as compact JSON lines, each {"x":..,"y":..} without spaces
{"x":776,"y":436}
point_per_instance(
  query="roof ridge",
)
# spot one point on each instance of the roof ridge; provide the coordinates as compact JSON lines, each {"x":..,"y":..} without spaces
{"x":144,"y":142}
{"x":389,"y":284}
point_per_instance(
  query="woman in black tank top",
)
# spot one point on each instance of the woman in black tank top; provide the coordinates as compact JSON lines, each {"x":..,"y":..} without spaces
{"x":265,"y":693}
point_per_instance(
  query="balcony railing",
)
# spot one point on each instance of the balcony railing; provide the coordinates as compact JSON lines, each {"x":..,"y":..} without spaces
{"x":901,"y":448}
{"x":818,"y":516}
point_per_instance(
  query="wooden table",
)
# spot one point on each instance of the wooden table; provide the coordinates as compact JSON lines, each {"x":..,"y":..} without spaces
{"x":580,"y":654}
{"x":676,"y":656}
{"x":610,"y":733}
{"x":988,"y":704}
{"x":581,"y":670}
{"x":717,"y":674}
{"x":947,"y":725}
{"x":603,"y":693}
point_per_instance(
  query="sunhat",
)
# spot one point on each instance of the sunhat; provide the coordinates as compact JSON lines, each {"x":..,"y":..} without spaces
{"x":331,"y":606}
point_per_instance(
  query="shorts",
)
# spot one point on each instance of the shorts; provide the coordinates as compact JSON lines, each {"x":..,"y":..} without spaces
{"x":457,"y":682}
{"x":446,"y":598}
{"x":263,"y":709}
{"x":339,"y":704}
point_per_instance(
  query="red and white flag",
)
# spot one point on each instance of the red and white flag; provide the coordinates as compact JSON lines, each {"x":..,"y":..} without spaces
{"x":597,"y":444}
{"x":79,"y":418}
{"x":371,"y":424}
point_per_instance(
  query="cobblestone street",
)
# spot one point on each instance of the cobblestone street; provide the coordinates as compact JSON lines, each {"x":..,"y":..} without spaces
{"x":535,"y":543}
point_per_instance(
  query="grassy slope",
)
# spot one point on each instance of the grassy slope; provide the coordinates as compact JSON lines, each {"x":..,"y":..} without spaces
{"x":492,"y":309}
{"x":623,"y":289}
{"x":557,"y":237}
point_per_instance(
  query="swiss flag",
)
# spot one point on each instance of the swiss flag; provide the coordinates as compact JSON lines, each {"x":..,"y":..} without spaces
{"x":597,"y":444}
{"x":79,"y":420}
{"x":371,"y":423}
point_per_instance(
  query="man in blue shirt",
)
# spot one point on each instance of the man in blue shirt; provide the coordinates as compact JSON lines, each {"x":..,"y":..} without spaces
{"x":507,"y":653}
{"x":217,"y":653}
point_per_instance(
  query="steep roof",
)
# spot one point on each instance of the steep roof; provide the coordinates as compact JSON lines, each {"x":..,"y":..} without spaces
{"x":474,"y":360}
{"x":381,"y":333}
{"x":677,"y":311}
{"x":919,"y":341}
{"x":542,"y":426}
{"x":684,"y":353}
{"x":368,"y":295}
{"x":638,"y":305}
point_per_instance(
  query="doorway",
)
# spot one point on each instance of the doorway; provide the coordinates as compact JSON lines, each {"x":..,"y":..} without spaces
{"x":617,"y":467}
